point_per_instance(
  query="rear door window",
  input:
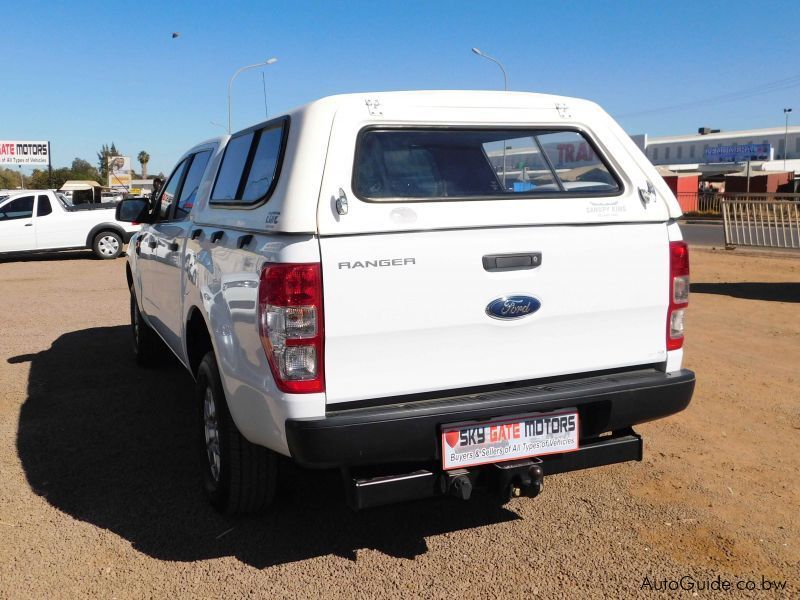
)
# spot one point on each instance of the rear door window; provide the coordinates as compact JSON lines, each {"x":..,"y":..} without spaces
{"x":419,"y":164}
{"x":166,"y":200}
{"x":19,"y":208}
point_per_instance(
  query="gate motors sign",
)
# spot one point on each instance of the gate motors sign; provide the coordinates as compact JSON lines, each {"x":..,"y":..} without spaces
{"x":738,"y":153}
{"x":15,"y":152}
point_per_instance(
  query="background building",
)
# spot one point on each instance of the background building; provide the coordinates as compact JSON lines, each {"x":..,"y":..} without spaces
{"x":713,"y":152}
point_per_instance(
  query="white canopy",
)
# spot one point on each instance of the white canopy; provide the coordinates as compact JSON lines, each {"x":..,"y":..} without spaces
{"x":79,"y":184}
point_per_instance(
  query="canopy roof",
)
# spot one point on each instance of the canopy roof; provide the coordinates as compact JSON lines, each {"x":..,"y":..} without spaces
{"x":80,"y":184}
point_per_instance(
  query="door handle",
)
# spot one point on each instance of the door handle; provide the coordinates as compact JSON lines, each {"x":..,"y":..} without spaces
{"x":152,"y":242}
{"x":512,"y":262}
{"x":216,"y":236}
{"x":28,"y":224}
{"x":196,"y":233}
{"x":173,"y":246}
{"x":244,"y":240}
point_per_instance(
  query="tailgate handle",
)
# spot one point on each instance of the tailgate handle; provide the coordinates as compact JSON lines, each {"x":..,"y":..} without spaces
{"x":512,"y":262}
{"x":196,"y":233}
{"x":216,"y":236}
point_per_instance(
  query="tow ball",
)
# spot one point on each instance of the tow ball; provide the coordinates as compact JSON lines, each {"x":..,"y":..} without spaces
{"x":518,"y":478}
{"x":504,"y":480}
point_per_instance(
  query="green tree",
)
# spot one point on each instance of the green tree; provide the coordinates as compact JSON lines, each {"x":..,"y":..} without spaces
{"x":143,"y":158}
{"x":40,"y":178}
{"x":83,"y":169}
{"x":9,"y":179}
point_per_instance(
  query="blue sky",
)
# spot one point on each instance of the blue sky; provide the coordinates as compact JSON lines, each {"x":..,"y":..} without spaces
{"x":86,"y":73}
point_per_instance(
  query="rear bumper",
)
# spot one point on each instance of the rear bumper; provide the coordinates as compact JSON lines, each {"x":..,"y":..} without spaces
{"x":409,"y":432}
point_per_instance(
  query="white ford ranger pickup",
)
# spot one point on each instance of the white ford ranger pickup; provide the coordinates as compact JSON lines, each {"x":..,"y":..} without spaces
{"x":32,"y":220}
{"x":433,"y":292}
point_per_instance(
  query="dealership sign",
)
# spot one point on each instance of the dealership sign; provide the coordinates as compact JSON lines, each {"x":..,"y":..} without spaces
{"x":738,"y":152}
{"x":15,"y":152}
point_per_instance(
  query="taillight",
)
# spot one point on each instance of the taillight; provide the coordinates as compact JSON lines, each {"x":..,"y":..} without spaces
{"x":290,"y":324}
{"x":678,"y":293}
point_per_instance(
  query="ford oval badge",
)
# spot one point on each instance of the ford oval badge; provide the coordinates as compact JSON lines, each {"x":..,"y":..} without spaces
{"x":512,"y":307}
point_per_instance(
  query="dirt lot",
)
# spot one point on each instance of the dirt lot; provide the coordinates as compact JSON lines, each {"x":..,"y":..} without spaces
{"x":99,"y":495}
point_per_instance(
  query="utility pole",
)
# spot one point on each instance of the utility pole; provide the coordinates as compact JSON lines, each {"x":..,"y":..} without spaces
{"x":786,"y":112}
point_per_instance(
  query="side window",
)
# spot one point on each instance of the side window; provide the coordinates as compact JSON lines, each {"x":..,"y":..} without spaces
{"x":265,"y":162}
{"x":167,"y":198}
{"x":230,"y":173}
{"x":251,"y":165}
{"x":191,"y":184}
{"x":43,"y":208}
{"x":19,"y":208}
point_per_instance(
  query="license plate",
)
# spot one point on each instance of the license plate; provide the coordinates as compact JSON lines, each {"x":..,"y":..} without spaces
{"x":471,"y":444}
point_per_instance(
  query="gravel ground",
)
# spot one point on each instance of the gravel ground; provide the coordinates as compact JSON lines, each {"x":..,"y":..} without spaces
{"x":99,"y":494}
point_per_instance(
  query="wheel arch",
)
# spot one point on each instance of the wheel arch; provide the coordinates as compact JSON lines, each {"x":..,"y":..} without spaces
{"x":104,"y":227}
{"x":198,"y":339}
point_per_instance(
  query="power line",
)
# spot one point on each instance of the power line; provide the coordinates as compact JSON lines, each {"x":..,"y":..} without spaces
{"x":764,"y":88}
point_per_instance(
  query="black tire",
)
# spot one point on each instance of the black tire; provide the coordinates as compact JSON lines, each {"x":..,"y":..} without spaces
{"x":147,"y":346}
{"x":241,"y":477}
{"x":107,"y":245}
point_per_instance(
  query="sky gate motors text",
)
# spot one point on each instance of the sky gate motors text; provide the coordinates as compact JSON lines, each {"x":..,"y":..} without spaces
{"x":21,"y":149}
{"x":514,"y":431}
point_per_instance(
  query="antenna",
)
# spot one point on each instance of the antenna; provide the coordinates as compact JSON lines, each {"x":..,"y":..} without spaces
{"x":264,"y":84}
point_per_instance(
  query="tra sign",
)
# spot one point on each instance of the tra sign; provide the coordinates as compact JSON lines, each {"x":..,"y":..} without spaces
{"x":15,"y":152}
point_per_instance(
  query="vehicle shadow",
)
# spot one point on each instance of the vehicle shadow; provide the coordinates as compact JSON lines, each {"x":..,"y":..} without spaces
{"x":48,"y":256}
{"x":114,"y":445}
{"x":774,"y":292}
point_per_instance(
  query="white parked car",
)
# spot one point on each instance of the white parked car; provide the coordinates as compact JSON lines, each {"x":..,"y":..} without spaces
{"x":33,"y":220}
{"x":432,"y":292}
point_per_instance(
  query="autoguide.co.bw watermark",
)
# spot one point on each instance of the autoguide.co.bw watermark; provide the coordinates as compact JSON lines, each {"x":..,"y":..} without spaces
{"x":688,"y":583}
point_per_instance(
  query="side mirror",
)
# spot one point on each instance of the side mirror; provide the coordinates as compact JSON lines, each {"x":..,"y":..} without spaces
{"x":133,"y":210}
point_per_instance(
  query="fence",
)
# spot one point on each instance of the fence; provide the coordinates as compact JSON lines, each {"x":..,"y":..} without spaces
{"x":695,"y":202}
{"x":766,"y":220}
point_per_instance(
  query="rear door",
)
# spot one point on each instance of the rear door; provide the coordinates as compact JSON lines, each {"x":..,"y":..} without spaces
{"x":17,"y":227}
{"x":473,"y":255}
{"x":165,"y":246}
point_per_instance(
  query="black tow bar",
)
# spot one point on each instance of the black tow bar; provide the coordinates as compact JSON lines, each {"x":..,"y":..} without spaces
{"x":505,"y":480}
{"x":517,"y":478}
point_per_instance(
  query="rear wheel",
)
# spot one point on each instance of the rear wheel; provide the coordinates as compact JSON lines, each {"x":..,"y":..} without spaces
{"x":147,"y":346}
{"x":238,"y":476}
{"x":107,"y":244}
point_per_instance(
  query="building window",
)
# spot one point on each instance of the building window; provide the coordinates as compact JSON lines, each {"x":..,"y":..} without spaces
{"x":691,"y":151}
{"x":781,"y":149}
{"x":797,"y":144}
{"x":680,"y":152}
{"x":655,"y":153}
{"x":666,"y":153}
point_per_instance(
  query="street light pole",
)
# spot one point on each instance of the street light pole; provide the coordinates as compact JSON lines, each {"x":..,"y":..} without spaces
{"x":786,"y":112}
{"x":505,"y":89}
{"x":235,"y":75}
{"x":497,"y":62}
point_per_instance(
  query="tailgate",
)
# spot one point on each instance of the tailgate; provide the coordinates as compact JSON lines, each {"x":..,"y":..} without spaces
{"x":407,"y":312}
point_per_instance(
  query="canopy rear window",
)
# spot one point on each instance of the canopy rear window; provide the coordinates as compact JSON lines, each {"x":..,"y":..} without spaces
{"x":432,"y":164}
